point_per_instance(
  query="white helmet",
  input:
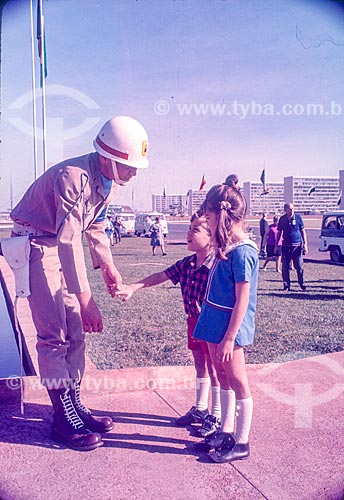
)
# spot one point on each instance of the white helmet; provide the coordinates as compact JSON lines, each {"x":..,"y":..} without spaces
{"x":123,"y":139}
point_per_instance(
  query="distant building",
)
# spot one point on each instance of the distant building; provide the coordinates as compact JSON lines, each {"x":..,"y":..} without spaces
{"x":119,"y":209}
{"x":309,"y":195}
{"x":257,"y":202}
{"x":178,"y":204}
{"x":172,"y":204}
{"x":312,"y":194}
{"x":195,"y":200}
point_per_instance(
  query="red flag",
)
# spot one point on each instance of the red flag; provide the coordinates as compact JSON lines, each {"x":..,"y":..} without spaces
{"x":203,"y":183}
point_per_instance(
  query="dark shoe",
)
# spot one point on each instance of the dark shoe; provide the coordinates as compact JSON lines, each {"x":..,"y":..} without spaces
{"x":74,"y":437}
{"x":286,"y":287}
{"x":237,"y":452}
{"x":164,"y":254}
{"x":221,"y":439}
{"x":92,"y":422}
{"x":214,"y":442}
{"x":303,"y":287}
{"x":209,"y":426}
{"x":193,"y":416}
{"x":68,"y":428}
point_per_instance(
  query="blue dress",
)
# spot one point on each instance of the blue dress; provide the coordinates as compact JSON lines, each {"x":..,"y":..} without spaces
{"x":242,"y":265}
{"x":156,"y":235}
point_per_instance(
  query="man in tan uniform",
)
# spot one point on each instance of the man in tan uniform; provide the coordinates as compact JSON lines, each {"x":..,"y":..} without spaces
{"x":70,"y":199}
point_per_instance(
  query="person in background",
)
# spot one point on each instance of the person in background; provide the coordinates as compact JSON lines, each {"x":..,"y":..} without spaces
{"x":294,"y":245}
{"x":71,"y":199}
{"x":263,"y":228}
{"x":226,"y":321}
{"x":273,"y":250}
{"x":117,"y":225}
{"x":192,"y":273}
{"x":157,"y":236}
{"x":109,"y":229}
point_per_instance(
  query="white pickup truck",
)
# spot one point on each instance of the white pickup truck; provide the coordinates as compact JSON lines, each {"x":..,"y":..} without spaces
{"x":332,"y":235}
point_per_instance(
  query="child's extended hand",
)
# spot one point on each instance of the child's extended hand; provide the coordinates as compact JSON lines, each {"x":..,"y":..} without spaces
{"x":111,"y":277}
{"x":125,"y":292}
{"x":225,"y":350}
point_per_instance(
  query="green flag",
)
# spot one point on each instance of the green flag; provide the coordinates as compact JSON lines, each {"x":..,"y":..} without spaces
{"x":42,"y":52}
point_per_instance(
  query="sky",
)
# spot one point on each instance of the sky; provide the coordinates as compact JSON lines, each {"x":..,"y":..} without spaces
{"x":221,"y":86}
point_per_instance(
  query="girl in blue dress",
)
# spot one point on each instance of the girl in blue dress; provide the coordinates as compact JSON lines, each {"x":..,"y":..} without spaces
{"x":227,"y":318}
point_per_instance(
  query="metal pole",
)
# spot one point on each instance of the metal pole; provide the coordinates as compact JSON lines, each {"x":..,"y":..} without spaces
{"x":42,"y":66}
{"x":34,"y":109}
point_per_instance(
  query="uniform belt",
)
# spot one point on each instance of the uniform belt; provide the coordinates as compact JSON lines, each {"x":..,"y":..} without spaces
{"x":24,"y":229}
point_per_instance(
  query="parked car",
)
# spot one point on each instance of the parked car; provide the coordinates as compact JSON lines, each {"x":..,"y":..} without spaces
{"x":127,"y":218}
{"x":127,"y":223}
{"x":143,"y":222}
{"x":332,"y":235}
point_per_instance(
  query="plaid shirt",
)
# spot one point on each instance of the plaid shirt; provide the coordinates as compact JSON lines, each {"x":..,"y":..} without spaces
{"x":193,"y":282}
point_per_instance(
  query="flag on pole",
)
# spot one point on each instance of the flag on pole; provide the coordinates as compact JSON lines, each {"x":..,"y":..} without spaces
{"x":339,"y":201}
{"x":262,"y":178}
{"x":42,"y":52}
{"x":266,"y":191}
{"x":164,"y":193}
{"x":312,"y":190}
{"x":203,"y":183}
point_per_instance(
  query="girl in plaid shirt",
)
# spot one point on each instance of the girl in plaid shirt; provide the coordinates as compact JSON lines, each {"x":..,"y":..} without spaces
{"x":192,"y":274}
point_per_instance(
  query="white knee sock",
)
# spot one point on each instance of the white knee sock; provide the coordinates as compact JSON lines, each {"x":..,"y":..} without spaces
{"x":227,"y":410}
{"x":202,"y":393}
{"x":215,"y":401}
{"x":244,"y":418}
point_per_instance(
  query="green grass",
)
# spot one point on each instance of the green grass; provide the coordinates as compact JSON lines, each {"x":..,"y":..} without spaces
{"x":150,"y":329}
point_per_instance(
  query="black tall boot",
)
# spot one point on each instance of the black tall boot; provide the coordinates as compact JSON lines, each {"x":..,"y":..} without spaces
{"x":92,"y":422}
{"x":68,"y":428}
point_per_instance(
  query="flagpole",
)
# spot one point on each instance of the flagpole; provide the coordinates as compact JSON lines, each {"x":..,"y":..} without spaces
{"x":34,"y":108}
{"x":42,"y":67}
{"x":11,"y":191}
{"x":264,"y":206}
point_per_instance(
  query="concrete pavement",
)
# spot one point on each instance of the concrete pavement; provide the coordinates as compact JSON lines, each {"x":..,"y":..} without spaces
{"x":296,"y":439}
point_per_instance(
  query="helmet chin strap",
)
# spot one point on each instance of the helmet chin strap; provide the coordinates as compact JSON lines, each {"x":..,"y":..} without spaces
{"x":118,"y":180}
